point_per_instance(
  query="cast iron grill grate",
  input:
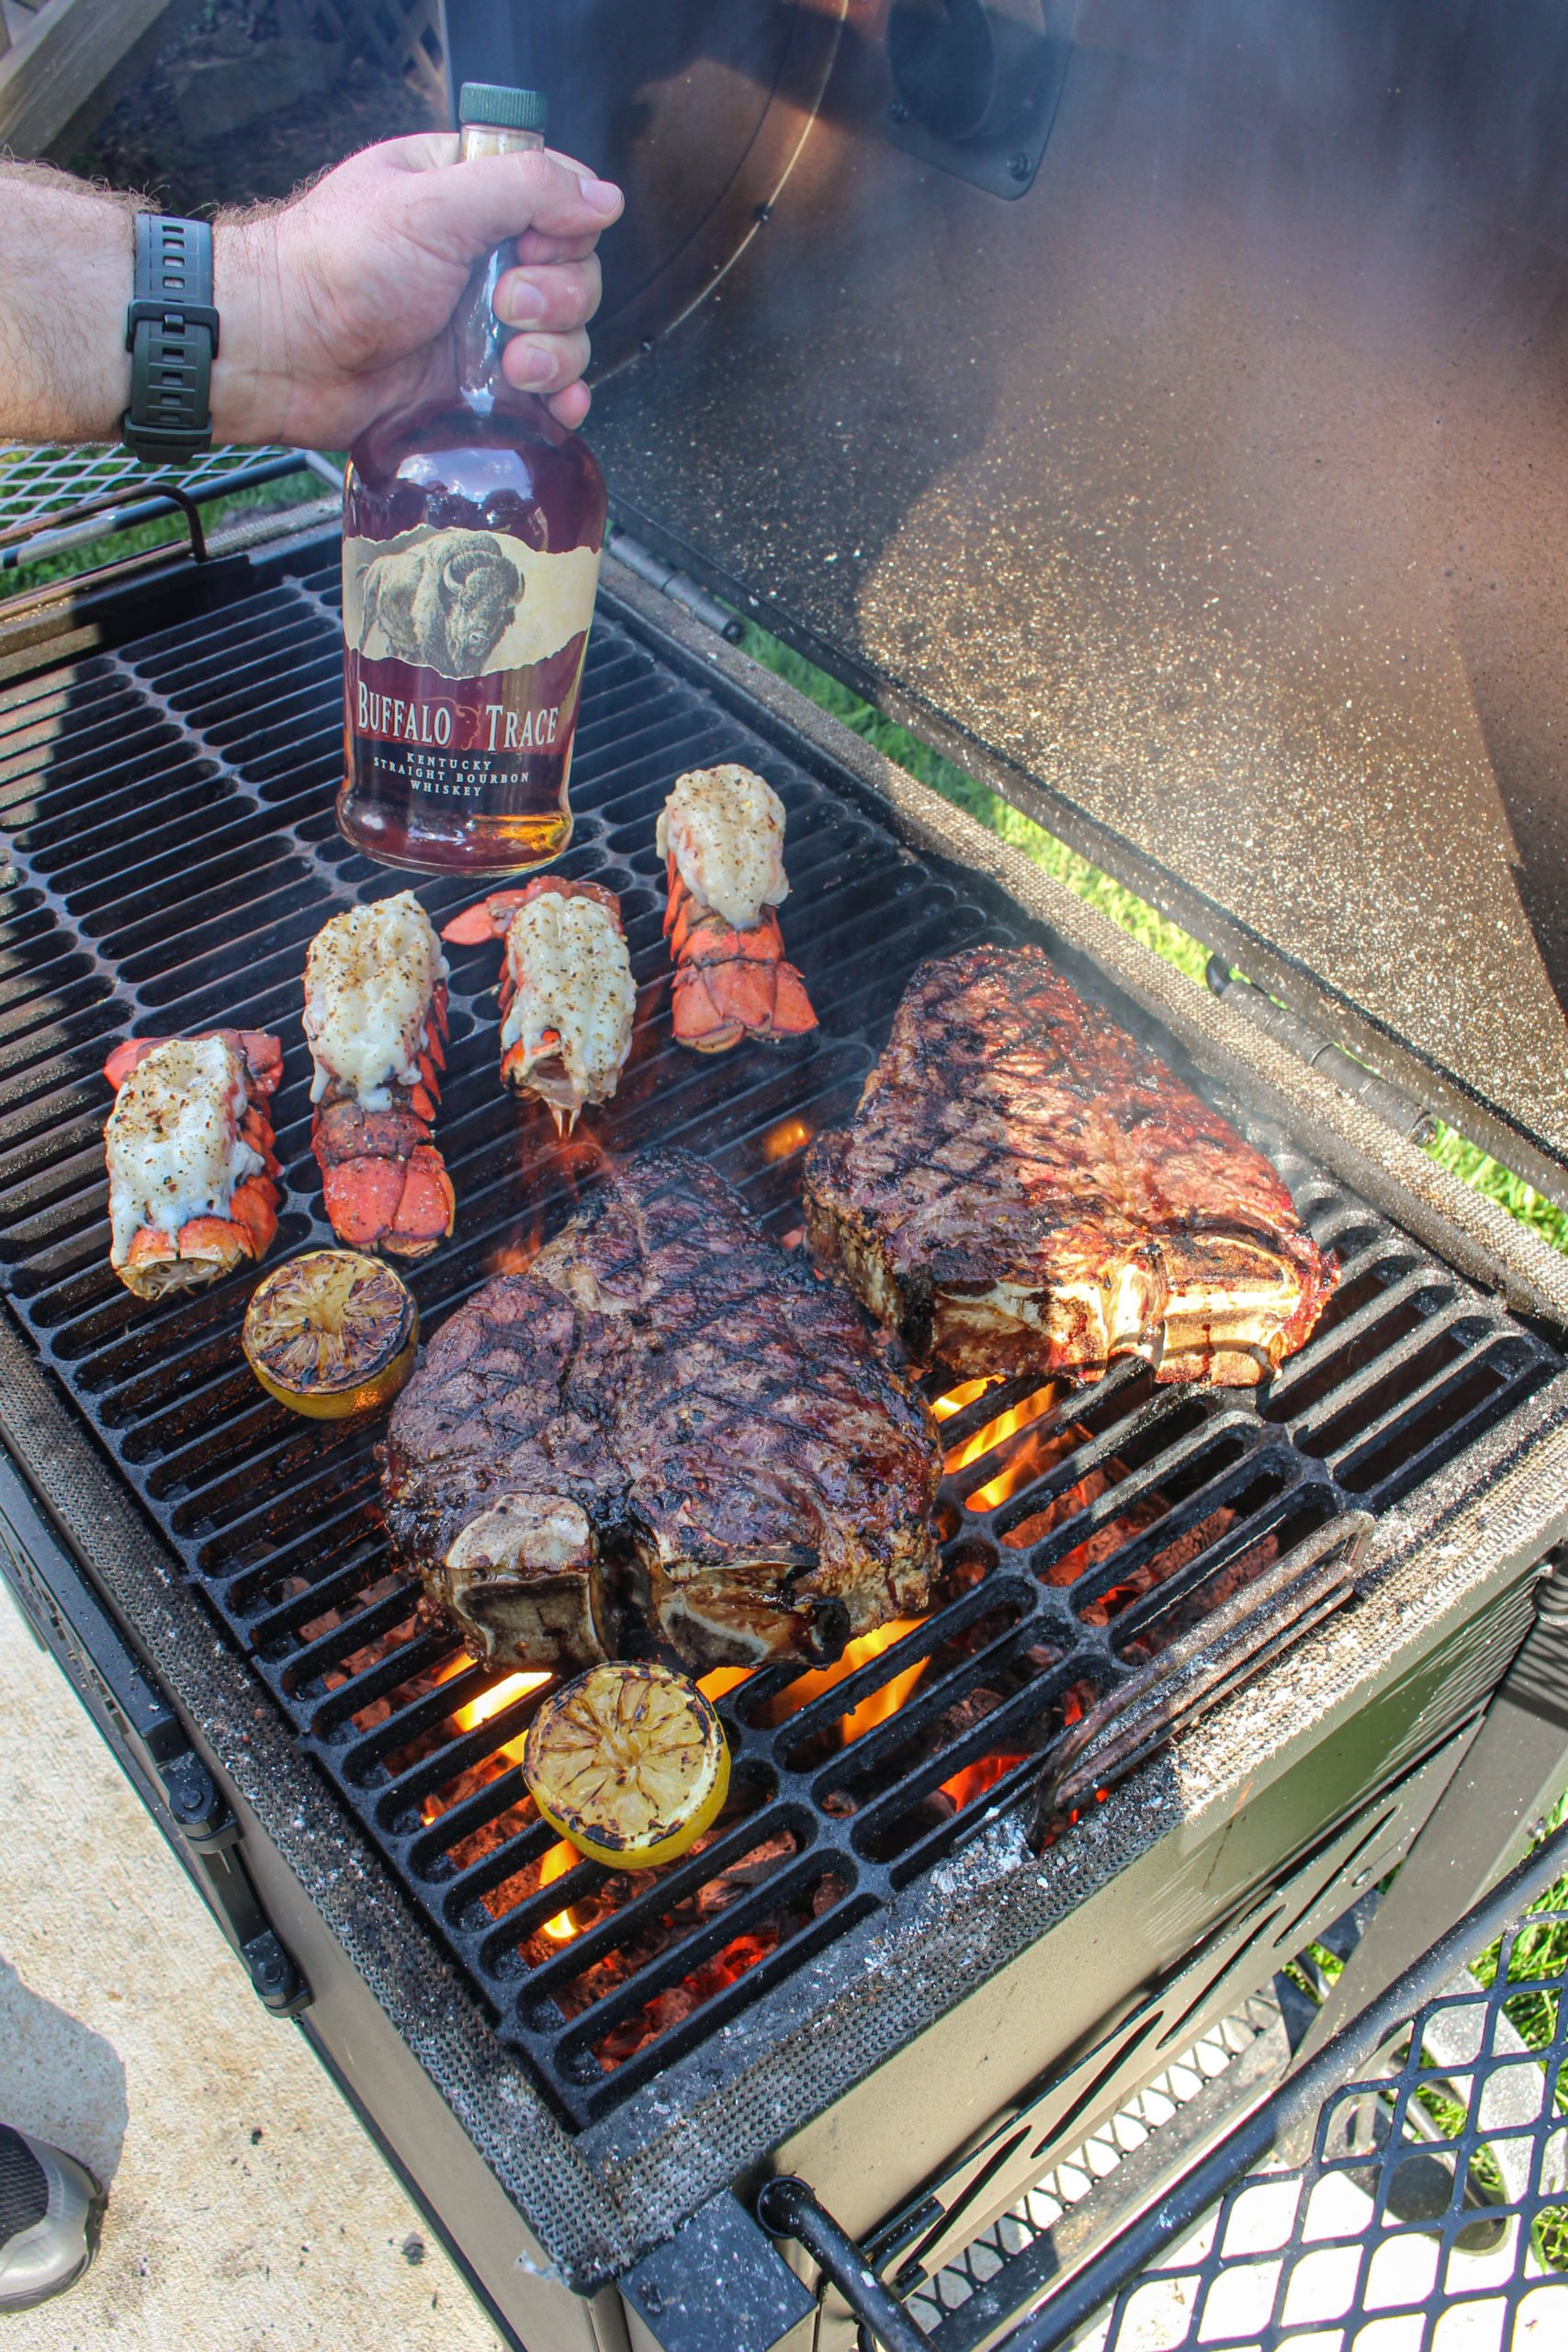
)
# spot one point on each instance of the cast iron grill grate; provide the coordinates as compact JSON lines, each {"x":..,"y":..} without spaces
{"x":173,"y":849}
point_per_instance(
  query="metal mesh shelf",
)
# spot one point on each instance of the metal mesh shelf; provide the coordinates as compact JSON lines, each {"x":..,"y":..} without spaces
{"x":1432,"y":2212}
{"x":1070,"y":2187}
{"x":57,"y":501}
{"x":1404,"y":2190}
{"x":38,"y":479}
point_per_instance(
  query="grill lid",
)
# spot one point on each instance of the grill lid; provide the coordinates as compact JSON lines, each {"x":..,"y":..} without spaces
{"x":1210,"y":486}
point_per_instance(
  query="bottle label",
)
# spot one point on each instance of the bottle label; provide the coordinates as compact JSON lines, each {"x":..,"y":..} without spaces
{"x":462,"y":662}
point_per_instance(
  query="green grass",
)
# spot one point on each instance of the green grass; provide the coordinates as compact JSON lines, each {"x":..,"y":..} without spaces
{"x":1133,"y":914}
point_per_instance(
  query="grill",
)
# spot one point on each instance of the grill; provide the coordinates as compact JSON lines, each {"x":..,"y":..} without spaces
{"x":1088,"y":1530}
{"x":1118,"y":1556}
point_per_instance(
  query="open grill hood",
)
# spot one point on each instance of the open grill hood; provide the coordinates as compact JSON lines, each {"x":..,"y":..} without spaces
{"x":1205,"y":499}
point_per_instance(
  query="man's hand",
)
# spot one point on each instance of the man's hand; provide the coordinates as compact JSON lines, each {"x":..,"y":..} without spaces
{"x":336,"y":308}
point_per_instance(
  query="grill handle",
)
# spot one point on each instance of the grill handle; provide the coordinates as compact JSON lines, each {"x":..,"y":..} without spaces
{"x":1411,"y":1120}
{"x":788,"y":2208}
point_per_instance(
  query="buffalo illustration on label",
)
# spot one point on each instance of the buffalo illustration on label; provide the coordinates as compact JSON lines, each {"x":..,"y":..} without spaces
{"x":444,"y":604}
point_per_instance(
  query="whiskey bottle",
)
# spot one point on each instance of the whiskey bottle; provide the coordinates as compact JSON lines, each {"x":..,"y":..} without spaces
{"x":472,"y":530}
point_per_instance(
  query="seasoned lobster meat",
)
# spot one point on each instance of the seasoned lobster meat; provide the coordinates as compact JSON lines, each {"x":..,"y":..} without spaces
{"x":1024,"y":1189}
{"x":376,"y":1019}
{"x":667,"y":1427}
{"x":566,"y":998}
{"x":188,"y":1146}
{"x":721,"y":835}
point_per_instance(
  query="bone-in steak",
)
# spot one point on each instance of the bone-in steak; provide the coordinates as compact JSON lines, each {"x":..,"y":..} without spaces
{"x":1025,"y":1188}
{"x":668,"y":1430}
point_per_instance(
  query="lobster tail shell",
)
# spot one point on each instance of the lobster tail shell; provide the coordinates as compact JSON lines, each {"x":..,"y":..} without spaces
{"x":384,"y":1183}
{"x":730,"y":984}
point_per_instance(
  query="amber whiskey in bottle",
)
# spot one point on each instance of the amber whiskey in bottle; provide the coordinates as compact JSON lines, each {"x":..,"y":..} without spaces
{"x":472,"y":531}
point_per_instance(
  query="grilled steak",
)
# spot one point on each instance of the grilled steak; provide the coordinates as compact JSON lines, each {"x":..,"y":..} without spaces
{"x":667,"y":1428}
{"x":1024,"y":1189}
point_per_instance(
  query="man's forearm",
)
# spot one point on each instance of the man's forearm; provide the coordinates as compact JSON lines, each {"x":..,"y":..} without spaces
{"x":66,"y":254}
{"x":66,"y":261}
{"x":334,"y":310}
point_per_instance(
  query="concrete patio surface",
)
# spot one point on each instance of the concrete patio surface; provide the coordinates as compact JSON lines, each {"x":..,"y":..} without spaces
{"x":248,"y":2213}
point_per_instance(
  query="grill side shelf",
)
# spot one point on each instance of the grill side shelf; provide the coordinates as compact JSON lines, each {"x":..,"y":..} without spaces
{"x":146,"y":1735}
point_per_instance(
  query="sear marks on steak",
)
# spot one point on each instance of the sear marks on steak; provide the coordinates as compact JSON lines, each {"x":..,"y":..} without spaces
{"x":1025,"y":1188}
{"x":666,"y":1429}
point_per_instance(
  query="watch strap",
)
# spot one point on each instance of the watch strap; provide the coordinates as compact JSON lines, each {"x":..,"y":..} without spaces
{"x":171,"y":332}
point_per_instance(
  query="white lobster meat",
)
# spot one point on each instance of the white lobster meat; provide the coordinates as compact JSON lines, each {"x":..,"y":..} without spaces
{"x":566,"y":989}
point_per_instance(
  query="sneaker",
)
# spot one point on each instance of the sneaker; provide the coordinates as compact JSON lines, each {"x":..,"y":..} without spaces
{"x":50,"y":2211}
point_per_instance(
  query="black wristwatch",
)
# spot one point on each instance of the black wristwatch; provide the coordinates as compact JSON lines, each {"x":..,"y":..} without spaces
{"x":171,"y":332}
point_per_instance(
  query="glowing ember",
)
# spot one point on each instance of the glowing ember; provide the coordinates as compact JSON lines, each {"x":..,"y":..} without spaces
{"x":976,"y":1780}
{"x":702,"y":1982}
{"x":556,"y":1864}
{"x":790,"y":1135}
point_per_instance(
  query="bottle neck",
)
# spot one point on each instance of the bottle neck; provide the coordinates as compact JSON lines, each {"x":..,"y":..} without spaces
{"x":481,"y":338}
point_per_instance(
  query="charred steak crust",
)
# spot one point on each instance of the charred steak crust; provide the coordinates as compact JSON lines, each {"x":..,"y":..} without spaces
{"x":1025,"y":1188}
{"x":667,"y":1426}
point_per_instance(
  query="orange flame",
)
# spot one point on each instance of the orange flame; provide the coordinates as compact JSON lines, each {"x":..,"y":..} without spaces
{"x":956,"y":1398}
{"x":790,"y":1135}
{"x":723,"y":1679}
{"x":556,"y":1864}
{"x":1026,"y":1464}
{"x":995,"y":1432}
{"x":516,"y":1256}
{"x":877,"y":1705}
{"x":469,"y":1716}
{"x":492,"y":1703}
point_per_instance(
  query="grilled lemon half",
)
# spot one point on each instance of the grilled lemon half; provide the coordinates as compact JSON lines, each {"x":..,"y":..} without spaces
{"x":331,"y":1333}
{"x":629,"y":1762}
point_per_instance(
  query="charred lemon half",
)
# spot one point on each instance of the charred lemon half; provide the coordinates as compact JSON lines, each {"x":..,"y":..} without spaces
{"x":629,"y":1762}
{"x":331,"y":1333}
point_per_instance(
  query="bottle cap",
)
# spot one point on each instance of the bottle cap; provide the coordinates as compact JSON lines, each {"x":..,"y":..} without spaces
{"x":498,"y":109}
